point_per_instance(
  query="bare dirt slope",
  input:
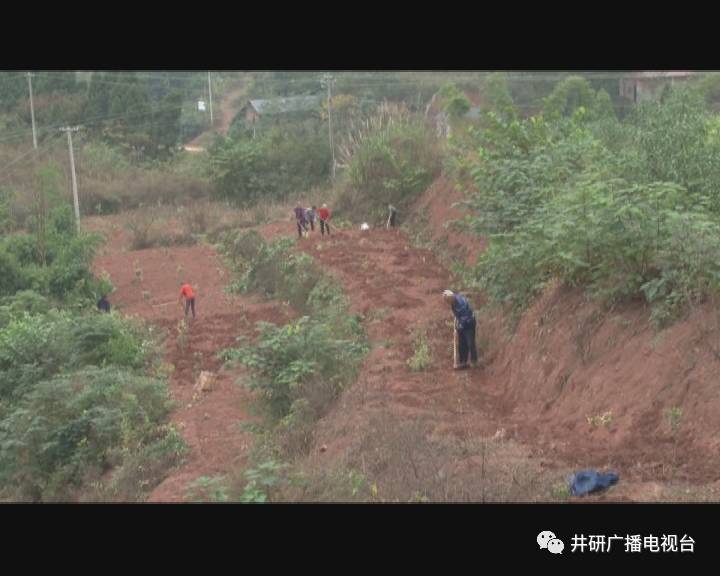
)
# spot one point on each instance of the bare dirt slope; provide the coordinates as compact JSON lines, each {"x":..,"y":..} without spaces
{"x":573,"y":387}
{"x":570,"y":362}
{"x":437,"y":212}
{"x":548,"y":386}
{"x":147,"y":284}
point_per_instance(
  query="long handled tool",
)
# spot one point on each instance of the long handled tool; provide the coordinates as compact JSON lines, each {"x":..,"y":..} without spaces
{"x":456,"y":361}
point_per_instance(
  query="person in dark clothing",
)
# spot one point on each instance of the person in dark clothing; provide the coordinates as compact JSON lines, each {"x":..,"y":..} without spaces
{"x":465,"y":328}
{"x":300,"y":220}
{"x":103,"y":304}
{"x":310,"y":216}
{"x":392,"y":216}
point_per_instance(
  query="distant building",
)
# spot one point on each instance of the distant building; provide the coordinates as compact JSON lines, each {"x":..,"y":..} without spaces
{"x":640,"y":86}
{"x":255,"y":110}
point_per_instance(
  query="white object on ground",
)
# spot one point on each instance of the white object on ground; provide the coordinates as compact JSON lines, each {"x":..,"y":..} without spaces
{"x":364,"y":226}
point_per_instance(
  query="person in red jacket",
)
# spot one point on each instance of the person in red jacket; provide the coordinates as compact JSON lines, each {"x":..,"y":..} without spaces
{"x":324,"y":214}
{"x":186,"y":292}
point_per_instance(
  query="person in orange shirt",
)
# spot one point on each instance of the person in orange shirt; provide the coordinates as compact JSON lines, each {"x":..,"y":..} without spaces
{"x":186,"y":291}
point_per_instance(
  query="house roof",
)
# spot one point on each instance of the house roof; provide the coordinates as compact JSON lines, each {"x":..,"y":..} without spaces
{"x":285,"y":105}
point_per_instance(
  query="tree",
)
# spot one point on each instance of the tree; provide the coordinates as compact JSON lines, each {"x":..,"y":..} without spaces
{"x":13,"y":86}
{"x":676,"y":145}
{"x":165,"y":131}
{"x":498,"y":94}
{"x":603,"y":107}
{"x":56,"y":82}
{"x":130,"y":112}
{"x":454,"y":102}
{"x":98,"y":101}
{"x":569,"y":95}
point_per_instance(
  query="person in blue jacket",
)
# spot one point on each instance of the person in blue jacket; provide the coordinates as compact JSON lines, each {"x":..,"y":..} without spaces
{"x":103,"y":304}
{"x":465,"y":327}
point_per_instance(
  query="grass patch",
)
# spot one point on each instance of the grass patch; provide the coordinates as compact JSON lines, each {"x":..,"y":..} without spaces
{"x":421,"y":359}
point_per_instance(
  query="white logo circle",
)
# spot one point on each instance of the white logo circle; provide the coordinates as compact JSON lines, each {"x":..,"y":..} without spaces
{"x":544,"y":537}
{"x":555,"y":546}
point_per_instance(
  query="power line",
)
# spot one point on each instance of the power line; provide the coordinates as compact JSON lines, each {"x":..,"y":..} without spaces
{"x":524,"y":76}
{"x":133,"y":76}
{"x":43,"y":150}
{"x":193,"y":83}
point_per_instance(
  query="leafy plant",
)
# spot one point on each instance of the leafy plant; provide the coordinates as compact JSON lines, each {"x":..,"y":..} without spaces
{"x":73,"y":427}
{"x":556,"y":200}
{"x":674,"y":417}
{"x":601,"y":420}
{"x":208,"y":489}
{"x":422,"y":357}
{"x":261,"y":480}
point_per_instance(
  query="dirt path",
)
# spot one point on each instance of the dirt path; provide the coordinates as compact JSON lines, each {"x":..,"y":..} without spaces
{"x":397,"y":288}
{"x":225,"y":111}
{"x":147,"y":285}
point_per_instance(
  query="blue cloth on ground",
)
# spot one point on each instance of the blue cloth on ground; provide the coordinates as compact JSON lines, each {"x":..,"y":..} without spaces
{"x":588,"y":481}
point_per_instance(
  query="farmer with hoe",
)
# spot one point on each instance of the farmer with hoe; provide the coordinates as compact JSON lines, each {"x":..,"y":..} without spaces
{"x":186,"y":292}
{"x":464,"y":331}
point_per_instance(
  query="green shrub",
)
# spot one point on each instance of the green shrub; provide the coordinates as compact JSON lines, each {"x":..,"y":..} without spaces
{"x":278,"y":162}
{"x":301,"y":359}
{"x":34,"y":348}
{"x":674,"y":144}
{"x":301,"y":367}
{"x":144,"y":469}
{"x":69,"y":429}
{"x":208,"y":489}
{"x":571,"y":94}
{"x":390,"y":160}
{"x":275,"y":270}
{"x":497,"y":92}
{"x":261,"y":481}
{"x":61,"y":269}
{"x":626,"y":210}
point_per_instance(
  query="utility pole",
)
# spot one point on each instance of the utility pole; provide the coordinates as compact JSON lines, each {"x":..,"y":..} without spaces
{"x":210,"y":98}
{"x":32,"y":110}
{"x":328,"y":80}
{"x":69,"y":131}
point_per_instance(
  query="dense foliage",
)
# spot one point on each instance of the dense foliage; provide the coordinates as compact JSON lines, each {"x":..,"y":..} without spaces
{"x":302,"y":366}
{"x":279,"y":163}
{"x":629,"y":210}
{"x":79,"y":397}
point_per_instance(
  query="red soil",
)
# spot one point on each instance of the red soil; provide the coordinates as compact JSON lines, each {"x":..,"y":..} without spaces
{"x":209,"y":421}
{"x":566,"y":362}
{"x":437,"y":202}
